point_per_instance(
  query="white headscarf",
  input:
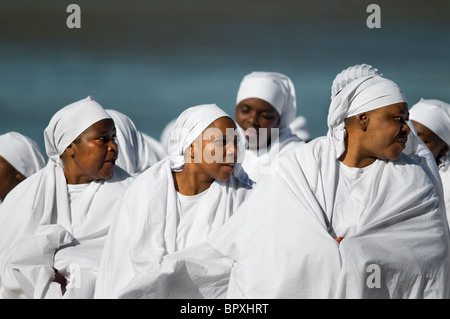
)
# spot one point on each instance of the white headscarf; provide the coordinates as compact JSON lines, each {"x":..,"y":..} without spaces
{"x":137,"y":151}
{"x":69,"y":122}
{"x":435,"y":115}
{"x":188,"y":126}
{"x":274,"y":88}
{"x":361,"y":95}
{"x":21,"y":152}
{"x":349,"y":74}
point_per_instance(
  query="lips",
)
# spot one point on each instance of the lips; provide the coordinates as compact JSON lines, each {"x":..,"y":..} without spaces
{"x":250,"y":132}
{"x":402,"y":141}
{"x":229,"y":166}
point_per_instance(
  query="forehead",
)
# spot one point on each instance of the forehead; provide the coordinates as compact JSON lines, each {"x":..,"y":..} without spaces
{"x":257,"y":104}
{"x":101,"y":126}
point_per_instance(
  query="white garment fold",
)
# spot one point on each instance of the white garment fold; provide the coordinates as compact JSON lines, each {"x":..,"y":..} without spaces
{"x":37,"y":226}
{"x":148,"y":226}
{"x":280,"y":243}
{"x":137,"y":150}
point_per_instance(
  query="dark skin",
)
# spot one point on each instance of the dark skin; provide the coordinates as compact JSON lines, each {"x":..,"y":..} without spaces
{"x":92,"y":155}
{"x":9,"y":178}
{"x":436,"y":145}
{"x":217,"y":153}
{"x":257,"y":114}
{"x":378,"y":134}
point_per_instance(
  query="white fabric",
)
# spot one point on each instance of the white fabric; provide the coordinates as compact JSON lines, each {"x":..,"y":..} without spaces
{"x":280,"y":242}
{"x":137,"y":150}
{"x":165,"y":134}
{"x":279,"y":91}
{"x":361,"y":95}
{"x":275,"y":88}
{"x":349,"y":74}
{"x":299,"y":126}
{"x":40,"y":232}
{"x":148,"y":225}
{"x":69,"y":122}
{"x":258,"y":163}
{"x":188,"y":126}
{"x":435,"y":115}
{"x":22,"y":153}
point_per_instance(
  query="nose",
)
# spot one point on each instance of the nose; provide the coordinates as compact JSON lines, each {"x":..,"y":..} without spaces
{"x":252,"y":119}
{"x":231,"y":150}
{"x":112,"y":146}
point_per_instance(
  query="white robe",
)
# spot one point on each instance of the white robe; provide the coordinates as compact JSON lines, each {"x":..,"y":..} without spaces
{"x":280,"y":243}
{"x":444,"y":173}
{"x":148,"y":226}
{"x":41,"y":233}
{"x":258,"y":163}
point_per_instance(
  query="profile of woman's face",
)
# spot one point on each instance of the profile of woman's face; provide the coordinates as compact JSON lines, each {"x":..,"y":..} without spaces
{"x":216,"y":149}
{"x":387,"y":131}
{"x":257,"y":117}
{"x":92,"y":155}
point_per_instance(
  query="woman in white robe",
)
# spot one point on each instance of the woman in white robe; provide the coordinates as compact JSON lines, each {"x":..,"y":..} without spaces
{"x":54,"y":223}
{"x":432,"y":120}
{"x":137,"y":150}
{"x":265,"y":107}
{"x":20,"y":157}
{"x":176,"y":203}
{"x":348,"y":215}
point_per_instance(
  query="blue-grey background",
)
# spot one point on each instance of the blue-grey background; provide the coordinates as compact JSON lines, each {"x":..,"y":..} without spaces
{"x":152,"y":59}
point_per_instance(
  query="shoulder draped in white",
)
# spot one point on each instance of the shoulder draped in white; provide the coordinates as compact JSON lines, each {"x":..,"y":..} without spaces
{"x":148,"y":226}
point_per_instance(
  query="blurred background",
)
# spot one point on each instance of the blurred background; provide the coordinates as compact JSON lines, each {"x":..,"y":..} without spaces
{"x":153,"y":59}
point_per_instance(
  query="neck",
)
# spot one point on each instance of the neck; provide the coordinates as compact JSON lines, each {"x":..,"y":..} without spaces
{"x":191,"y":182}
{"x":354,"y":156}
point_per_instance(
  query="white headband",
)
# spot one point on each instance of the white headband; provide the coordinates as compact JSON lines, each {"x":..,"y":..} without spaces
{"x":361,"y":95}
{"x":435,"y":115}
{"x":188,"y":126}
{"x":274,"y":88}
{"x":69,"y":122}
{"x":21,"y":152}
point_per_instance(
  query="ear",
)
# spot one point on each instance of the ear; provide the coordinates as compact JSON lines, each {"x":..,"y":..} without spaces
{"x":362,"y":120}
{"x":19,"y":177}
{"x":70,"y":150}
{"x":192,"y":150}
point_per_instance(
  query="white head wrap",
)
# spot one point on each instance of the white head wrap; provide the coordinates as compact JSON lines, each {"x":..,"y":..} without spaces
{"x":351,"y":73}
{"x":274,"y":88}
{"x":188,"y":126}
{"x":21,"y":152}
{"x":435,"y":115}
{"x":69,"y":122}
{"x":361,"y":95}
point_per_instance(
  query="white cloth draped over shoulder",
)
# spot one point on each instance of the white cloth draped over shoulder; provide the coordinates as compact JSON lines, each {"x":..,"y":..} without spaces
{"x":137,"y":150}
{"x":150,"y":224}
{"x":42,"y":232}
{"x":435,"y":115}
{"x":278,"y":90}
{"x":281,"y":242}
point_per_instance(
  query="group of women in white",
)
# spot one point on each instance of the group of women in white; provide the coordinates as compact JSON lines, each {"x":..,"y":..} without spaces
{"x":243,"y":206}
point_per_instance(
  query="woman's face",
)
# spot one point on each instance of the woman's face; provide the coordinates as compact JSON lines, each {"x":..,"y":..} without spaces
{"x":257,"y":118}
{"x":387,"y":131}
{"x":217,"y":154}
{"x":9,"y":178}
{"x":92,"y":155}
{"x":436,"y":145}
